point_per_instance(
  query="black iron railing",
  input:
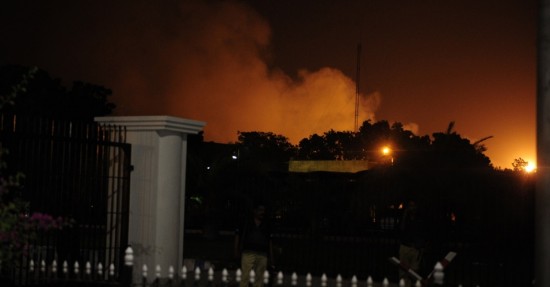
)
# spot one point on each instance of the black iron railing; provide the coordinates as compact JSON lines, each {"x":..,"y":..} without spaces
{"x":75,"y":170}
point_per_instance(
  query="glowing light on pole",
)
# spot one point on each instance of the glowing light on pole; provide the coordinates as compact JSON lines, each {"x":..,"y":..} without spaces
{"x":386,"y":152}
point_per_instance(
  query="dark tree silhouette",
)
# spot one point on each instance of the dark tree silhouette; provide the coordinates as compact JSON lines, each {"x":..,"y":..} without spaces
{"x":520,"y":164}
{"x":314,"y":148}
{"x":46,"y":96}
{"x":450,"y":150}
{"x":446,"y":150}
{"x":265,"y":146}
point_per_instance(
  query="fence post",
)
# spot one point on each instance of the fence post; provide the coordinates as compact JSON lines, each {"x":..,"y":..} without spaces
{"x":100,"y":271}
{"x":224,"y":277}
{"x":266,"y":278}
{"x":308,"y":279}
{"x":210,"y":276}
{"x":76,"y":270}
{"x":144,"y":270}
{"x":31,"y":271}
{"x":294,"y":279}
{"x":251,"y":278}
{"x":280,"y":278}
{"x":238,"y":276}
{"x":339,"y":280}
{"x":157,"y":275}
{"x":170,"y":275}
{"x":183,"y":275}
{"x":127,"y":271}
{"x":88,"y":271}
{"x":43,"y":275}
{"x":111,"y":271}
{"x":65,"y":270}
{"x":370,"y":282}
{"x":54,"y":270}
{"x":197,"y":280}
{"x":438,"y":274}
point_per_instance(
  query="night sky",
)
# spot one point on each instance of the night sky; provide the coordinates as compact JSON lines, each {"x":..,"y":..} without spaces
{"x":289,"y":66}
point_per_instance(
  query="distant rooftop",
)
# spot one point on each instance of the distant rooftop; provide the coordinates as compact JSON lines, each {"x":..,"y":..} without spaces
{"x":351,"y":166}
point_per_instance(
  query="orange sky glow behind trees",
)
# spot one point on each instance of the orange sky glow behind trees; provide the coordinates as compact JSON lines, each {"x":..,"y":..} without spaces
{"x":289,"y":67}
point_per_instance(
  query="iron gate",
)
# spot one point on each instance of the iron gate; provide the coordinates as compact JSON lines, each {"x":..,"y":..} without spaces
{"x":75,"y":170}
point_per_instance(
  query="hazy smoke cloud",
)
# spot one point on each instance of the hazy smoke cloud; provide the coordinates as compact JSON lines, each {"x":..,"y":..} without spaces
{"x":412,"y":127}
{"x":202,"y":60}
{"x":208,"y":61}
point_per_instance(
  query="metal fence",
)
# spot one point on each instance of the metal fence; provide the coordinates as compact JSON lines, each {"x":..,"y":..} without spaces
{"x":76,"y":170}
{"x":97,"y":274}
{"x":347,"y":223}
{"x":475,"y":263}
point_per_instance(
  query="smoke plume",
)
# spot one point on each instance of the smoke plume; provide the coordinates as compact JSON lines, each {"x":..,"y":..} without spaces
{"x":203,"y":60}
{"x":210,"y":63}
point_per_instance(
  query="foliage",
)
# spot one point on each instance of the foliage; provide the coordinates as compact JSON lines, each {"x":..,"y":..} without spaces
{"x":8,"y":97}
{"x":470,"y":207}
{"x":266,"y":146}
{"x":18,"y":228}
{"x":419,"y":165}
{"x":520,"y":164}
{"x":451,"y":150}
{"x":314,"y":148}
{"x":446,"y":149}
{"x":42,"y":95}
{"x":17,"y":225}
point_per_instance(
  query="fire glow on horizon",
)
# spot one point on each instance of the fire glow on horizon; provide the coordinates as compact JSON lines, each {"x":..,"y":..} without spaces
{"x":531,"y":167}
{"x":220,"y":62}
{"x":224,"y":76}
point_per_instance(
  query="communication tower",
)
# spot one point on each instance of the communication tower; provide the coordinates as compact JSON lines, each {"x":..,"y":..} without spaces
{"x":357,"y":87}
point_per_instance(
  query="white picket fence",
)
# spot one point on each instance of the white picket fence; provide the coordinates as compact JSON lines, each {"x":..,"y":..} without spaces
{"x":91,"y":275}
{"x":225,"y":278}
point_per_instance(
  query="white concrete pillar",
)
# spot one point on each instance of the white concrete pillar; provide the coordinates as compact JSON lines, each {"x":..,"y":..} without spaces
{"x":157,"y":186}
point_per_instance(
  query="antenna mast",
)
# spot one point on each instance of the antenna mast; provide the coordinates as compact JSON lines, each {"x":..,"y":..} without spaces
{"x":357,"y":87}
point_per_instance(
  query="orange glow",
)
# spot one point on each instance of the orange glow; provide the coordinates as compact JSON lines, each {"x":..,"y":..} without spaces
{"x":386,"y":150}
{"x":241,"y":67}
{"x":531,"y":167}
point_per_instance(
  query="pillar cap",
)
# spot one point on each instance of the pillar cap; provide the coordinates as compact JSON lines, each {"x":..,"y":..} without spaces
{"x":154,"y":123}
